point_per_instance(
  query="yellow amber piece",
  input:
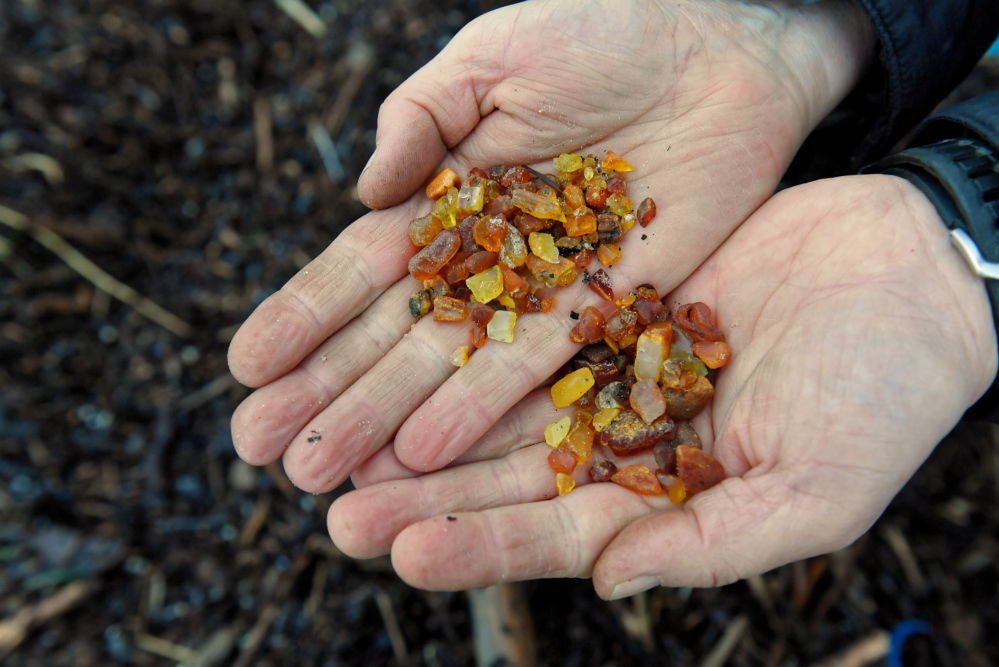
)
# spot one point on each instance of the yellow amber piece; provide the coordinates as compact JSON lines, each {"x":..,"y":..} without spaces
{"x":626,"y":301}
{"x":500,"y":328}
{"x":619,"y":204}
{"x":627,"y":222}
{"x":487,"y":285}
{"x":543,"y":245}
{"x":614,"y":162}
{"x":507,"y":301}
{"x":580,"y":440}
{"x":537,"y":205}
{"x":572,"y":387}
{"x":567,"y":162}
{"x":460,"y":356}
{"x":564,"y":483}
{"x":471,"y":198}
{"x":608,"y":254}
{"x":556,"y":431}
{"x":446,"y":208}
{"x":603,"y":417}
{"x":650,"y":353}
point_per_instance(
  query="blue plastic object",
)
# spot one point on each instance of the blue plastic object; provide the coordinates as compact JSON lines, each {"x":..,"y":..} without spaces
{"x":900,"y":634}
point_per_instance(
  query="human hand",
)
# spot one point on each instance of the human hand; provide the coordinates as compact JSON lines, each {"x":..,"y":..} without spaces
{"x":859,"y":338}
{"x":709,"y":100}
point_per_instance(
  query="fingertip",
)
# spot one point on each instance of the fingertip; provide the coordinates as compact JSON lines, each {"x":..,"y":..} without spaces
{"x":349,"y":523}
{"x":271,"y":341}
{"x":417,"y":443}
{"x":419,"y":551}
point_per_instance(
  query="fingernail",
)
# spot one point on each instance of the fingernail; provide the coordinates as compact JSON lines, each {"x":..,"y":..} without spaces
{"x":368,"y":163}
{"x":633,"y":586}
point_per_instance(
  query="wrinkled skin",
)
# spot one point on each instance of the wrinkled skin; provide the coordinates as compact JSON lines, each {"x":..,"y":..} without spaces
{"x":708,"y":100}
{"x":859,"y":338}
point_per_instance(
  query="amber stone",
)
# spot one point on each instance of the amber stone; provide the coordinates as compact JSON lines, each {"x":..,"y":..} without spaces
{"x":602,"y":471}
{"x":688,"y":402}
{"x":526,"y":224}
{"x":686,"y":434}
{"x":609,"y":228}
{"x":420,"y":303}
{"x":665,"y":455}
{"x":647,"y":400}
{"x":425,"y":264}
{"x":516,"y":174}
{"x":608,"y":254}
{"x":600,"y":282}
{"x":639,"y":479}
{"x":513,"y":283}
{"x":698,"y":322}
{"x":580,"y":222}
{"x":480,"y":261}
{"x":449,"y":309}
{"x":614,"y":394}
{"x":481,"y":315}
{"x":623,"y":323}
{"x":614,"y":162}
{"x":423,"y":230}
{"x":646,"y":212}
{"x":488,"y":231}
{"x":697,"y":469}
{"x":572,"y":387}
{"x":649,"y":311}
{"x":589,"y":328}
{"x":446,"y":179}
{"x":714,"y":354}
{"x":513,"y":250}
{"x":628,"y":434}
{"x":562,"y":460}
{"x":596,"y":197}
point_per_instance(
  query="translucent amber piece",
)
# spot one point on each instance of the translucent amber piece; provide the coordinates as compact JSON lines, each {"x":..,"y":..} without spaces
{"x":580,"y":440}
{"x":481,"y":316}
{"x":665,"y":455}
{"x":580,"y":222}
{"x":423,"y":230}
{"x":528,"y":223}
{"x":446,"y":208}
{"x":596,"y":197}
{"x":446,"y":179}
{"x":489,"y":231}
{"x":639,"y":479}
{"x":537,"y":205}
{"x":614,"y":162}
{"x":589,"y":328}
{"x":553,"y":275}
{"x":437,"y":286}
{"x":480,"y":261}
{"x":425,"y":264}
{"x":561,"y":460}
{"x":650,"y":353}
{"x":698,"y":322}
{"x":646,"y":212}
{"x":573,"y":197}
{"x":567,"y":162}
{"x":487,"y":285}
{"x":572,"y":387}
{"x":619,"y":204}
{"x":513,"y":251}
{"x":513,"y":283}
{"x":471,"y":198}
{"x":602,"y":471}
{"x":449,"y":309}
{"x":506,"y":301}
{"x":603,"y":418}
{"x":608,"y":254}
{"x":501,"y":327}
{"x":714,"y":354}
{"x":460,"y":356}
{"x":556,"y":431}
{"x":647,"y":400}
{"x":600,"y":282}
{"x":543,"y":245}
{"x":564,"y":483}
{"x":697,"y":469}
{"x":675,"y":490}
{"x":627,"y":222}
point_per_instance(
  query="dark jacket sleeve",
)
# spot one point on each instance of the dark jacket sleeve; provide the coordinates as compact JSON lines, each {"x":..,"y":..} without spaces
{"x":925,"y":48}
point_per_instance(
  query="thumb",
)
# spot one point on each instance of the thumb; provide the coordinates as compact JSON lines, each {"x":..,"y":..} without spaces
{"x":428,"y":114}
{"x":742,"y":527}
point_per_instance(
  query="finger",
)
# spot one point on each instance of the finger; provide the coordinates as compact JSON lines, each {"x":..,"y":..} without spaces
{"x":430,"y":112}
{"x":743,"y":526}
{"x":365,"y":258}
{"x":561,"y":537}
{"x":366,"y":416}
{"x":264,"y":423}
{"x":363,"y":523}
{"x":382,"y":466}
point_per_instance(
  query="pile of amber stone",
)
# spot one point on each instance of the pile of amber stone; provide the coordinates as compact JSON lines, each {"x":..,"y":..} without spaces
{"x":495,"y":245}
{"x":643,"y":375}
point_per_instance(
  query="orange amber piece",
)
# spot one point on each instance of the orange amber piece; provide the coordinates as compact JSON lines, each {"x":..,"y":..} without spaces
{"x":580,"y":222}
{"x":561,"y":460}
{"x":481,"y":315}
{"x":596,"y":197}
{"x":538,"y":205}
{"x":449,"y":309}
{"x":423,"y":230}
{"x":614,"y":162}
{"x":553,"y":275}
{"x":639,"y":479}
{"x":600,"y":282}
{"x":697,"y":469}
{"x":646,"y":212}
{"x":573,"y":197}
{"x":675,"y":490}
{"x":608,"y":254}
{"x":698,"y":322}
{"x":589,"y":328}
{"x":446,"y":179}
{"x":489,"y":231}
{"x":714,"y":354}
{"x":528,"y":224}
{"x":480,"y":261}
{"x":425,"y":264}
{"x":580,"y":439}
{"x":602,"y":471}
{"x":547,"y":304}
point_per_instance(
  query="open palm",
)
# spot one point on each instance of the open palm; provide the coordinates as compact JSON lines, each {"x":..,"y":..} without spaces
{"x":859,"y":338}
{"x":708,"y":100}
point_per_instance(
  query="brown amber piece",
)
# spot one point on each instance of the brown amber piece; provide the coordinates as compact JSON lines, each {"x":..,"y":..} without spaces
{"x":646,"y":212}
{"x":449,"y":309}
{"x":481,"y":315}
{"x":609,"y":228}
{"x":437,"y":286}
{"x":582,"y":258}
{"x":649,"y":311}
{"x":513,"y":283}
{"x":686,"y":434}
{"x":607,"y":371}
{"x":580,"y":222}
{"x":446,"y":179}
{"x":425,"y":264}
{"x":423,"y":230}
{"x":639,"y":479}
{"x":527,"y":224}
{"x":697,"y":321}
{"x":480,"y":261}
{"x":714,"y":354}
{"x":561,"y":460}
{"x":589,"y":328}
{"x":647,"y":400}
{"x":687,"y":403}
{"x":456,"y":271}
{"x":617,"y":186}
{"x":516,"y":174}
{"x":420,"y":303}
{"x":602,"y":471}
{"x":596,"y":197}
{"x":488,"y":232}
{"x":600,"y":282}
{"x":697,"y":469}
{"x":665,"y":456}
{"x":628,"y":434}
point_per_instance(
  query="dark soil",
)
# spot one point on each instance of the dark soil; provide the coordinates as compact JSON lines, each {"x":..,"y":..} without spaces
{"x":116,"y":466}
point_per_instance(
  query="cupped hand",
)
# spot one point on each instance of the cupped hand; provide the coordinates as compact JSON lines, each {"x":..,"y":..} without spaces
{"x":859,"y":338}
{"x":709,"y":100}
